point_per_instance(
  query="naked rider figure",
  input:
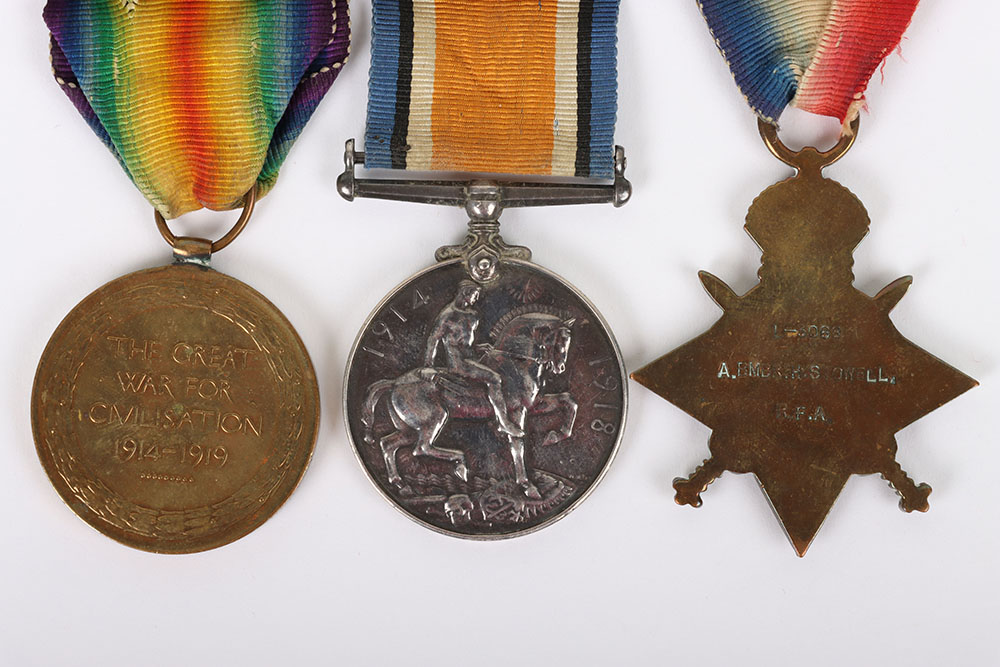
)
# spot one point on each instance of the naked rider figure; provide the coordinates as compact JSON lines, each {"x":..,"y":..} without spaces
{"x":455,"y":332}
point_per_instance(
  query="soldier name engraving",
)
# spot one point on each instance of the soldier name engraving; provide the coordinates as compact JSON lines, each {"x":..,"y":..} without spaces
{"x":804,"y":380}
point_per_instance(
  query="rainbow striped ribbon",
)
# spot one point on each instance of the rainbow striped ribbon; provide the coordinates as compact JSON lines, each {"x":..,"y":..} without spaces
{"x":518,"y":86}
{"x":198,"y":99}
{"x":816,"y":55}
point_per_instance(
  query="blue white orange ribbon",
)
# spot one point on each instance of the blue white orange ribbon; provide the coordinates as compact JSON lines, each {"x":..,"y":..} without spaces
{"x":816,"y":55}
{"x":518,"y":86}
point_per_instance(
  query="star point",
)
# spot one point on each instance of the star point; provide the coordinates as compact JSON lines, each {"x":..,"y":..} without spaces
{"x":804,"y":380}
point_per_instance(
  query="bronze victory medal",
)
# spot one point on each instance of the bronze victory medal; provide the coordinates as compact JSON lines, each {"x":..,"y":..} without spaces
{"x":485,"y":409}
{"x":804,"y":380}
{"x":175,"y":409}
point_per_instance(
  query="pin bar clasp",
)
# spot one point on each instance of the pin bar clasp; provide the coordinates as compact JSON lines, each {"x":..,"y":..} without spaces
{"x":483,"y":199}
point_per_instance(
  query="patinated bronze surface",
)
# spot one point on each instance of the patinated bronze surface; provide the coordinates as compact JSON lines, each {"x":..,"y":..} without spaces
{"x":804,"y":380}
{"x":175,"y":409}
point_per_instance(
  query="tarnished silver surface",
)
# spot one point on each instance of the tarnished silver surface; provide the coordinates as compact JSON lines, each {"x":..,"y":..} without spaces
{"x":485,"y":397}
{"x":489,"y":408}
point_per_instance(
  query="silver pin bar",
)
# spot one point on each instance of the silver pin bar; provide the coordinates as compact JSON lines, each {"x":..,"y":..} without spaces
{"x":498,"y":193}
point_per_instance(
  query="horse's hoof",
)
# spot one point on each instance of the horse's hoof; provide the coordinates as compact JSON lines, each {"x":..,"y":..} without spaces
{"x":531,"y":491}
{"x":551,"y":438}
{"x":402,"y":488}
{"x":462,"y":472}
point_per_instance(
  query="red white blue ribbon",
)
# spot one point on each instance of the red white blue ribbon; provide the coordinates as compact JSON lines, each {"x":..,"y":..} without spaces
{"x":816,"y":55}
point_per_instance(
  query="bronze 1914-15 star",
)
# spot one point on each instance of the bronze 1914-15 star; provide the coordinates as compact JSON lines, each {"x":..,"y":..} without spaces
{"x":804,"y":380}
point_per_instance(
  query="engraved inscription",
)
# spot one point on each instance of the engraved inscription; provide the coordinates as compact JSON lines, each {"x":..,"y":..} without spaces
{"x":176,"y":403}
{"x":194,"y":420}
{"x":198,"y":404}
{"x":804,"y":380}
{"x":138,"y":451}
{"x":801,"y":413}
{"x":608,"y":385}
{"x":190,"y":414}
{"x":808,"y":331}
{"x":763,"y":370}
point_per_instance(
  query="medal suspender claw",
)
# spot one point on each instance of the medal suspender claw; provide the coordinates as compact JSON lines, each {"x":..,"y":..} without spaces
{"x":804,"y":380}
{"x":175,"y":409}
{"x":485,"y":396}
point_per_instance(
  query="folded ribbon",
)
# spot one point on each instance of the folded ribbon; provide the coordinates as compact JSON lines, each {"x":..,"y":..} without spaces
{"x":198,"y":99}
{"x":816,"y":55}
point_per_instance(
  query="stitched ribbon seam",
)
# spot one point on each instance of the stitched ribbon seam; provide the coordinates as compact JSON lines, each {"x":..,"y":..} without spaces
{"x":520,"y":86}
{"x":198,"y":99}
{"x":816,"y":55}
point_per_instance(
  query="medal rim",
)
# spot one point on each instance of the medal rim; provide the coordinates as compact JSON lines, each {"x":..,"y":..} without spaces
{"x":489,"y":537}
{"x":247,"y":524}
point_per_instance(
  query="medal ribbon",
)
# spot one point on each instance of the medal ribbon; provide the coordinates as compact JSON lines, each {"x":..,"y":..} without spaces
{"x":816,"y":55}
{"x":198,"y":99}
{"x":519,"y":86}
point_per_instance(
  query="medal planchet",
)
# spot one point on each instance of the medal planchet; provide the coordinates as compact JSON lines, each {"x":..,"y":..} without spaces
{"x":804,"y":380}
{"x":175,"y":409}
{"x":485,"y":410}
{"x":485,"y":397}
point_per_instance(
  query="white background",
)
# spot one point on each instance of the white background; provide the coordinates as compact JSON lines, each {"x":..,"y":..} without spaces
{"x":339,"y":577}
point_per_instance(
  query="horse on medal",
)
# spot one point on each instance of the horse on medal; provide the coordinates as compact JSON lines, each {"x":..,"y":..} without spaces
{"x":530,"y":344}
